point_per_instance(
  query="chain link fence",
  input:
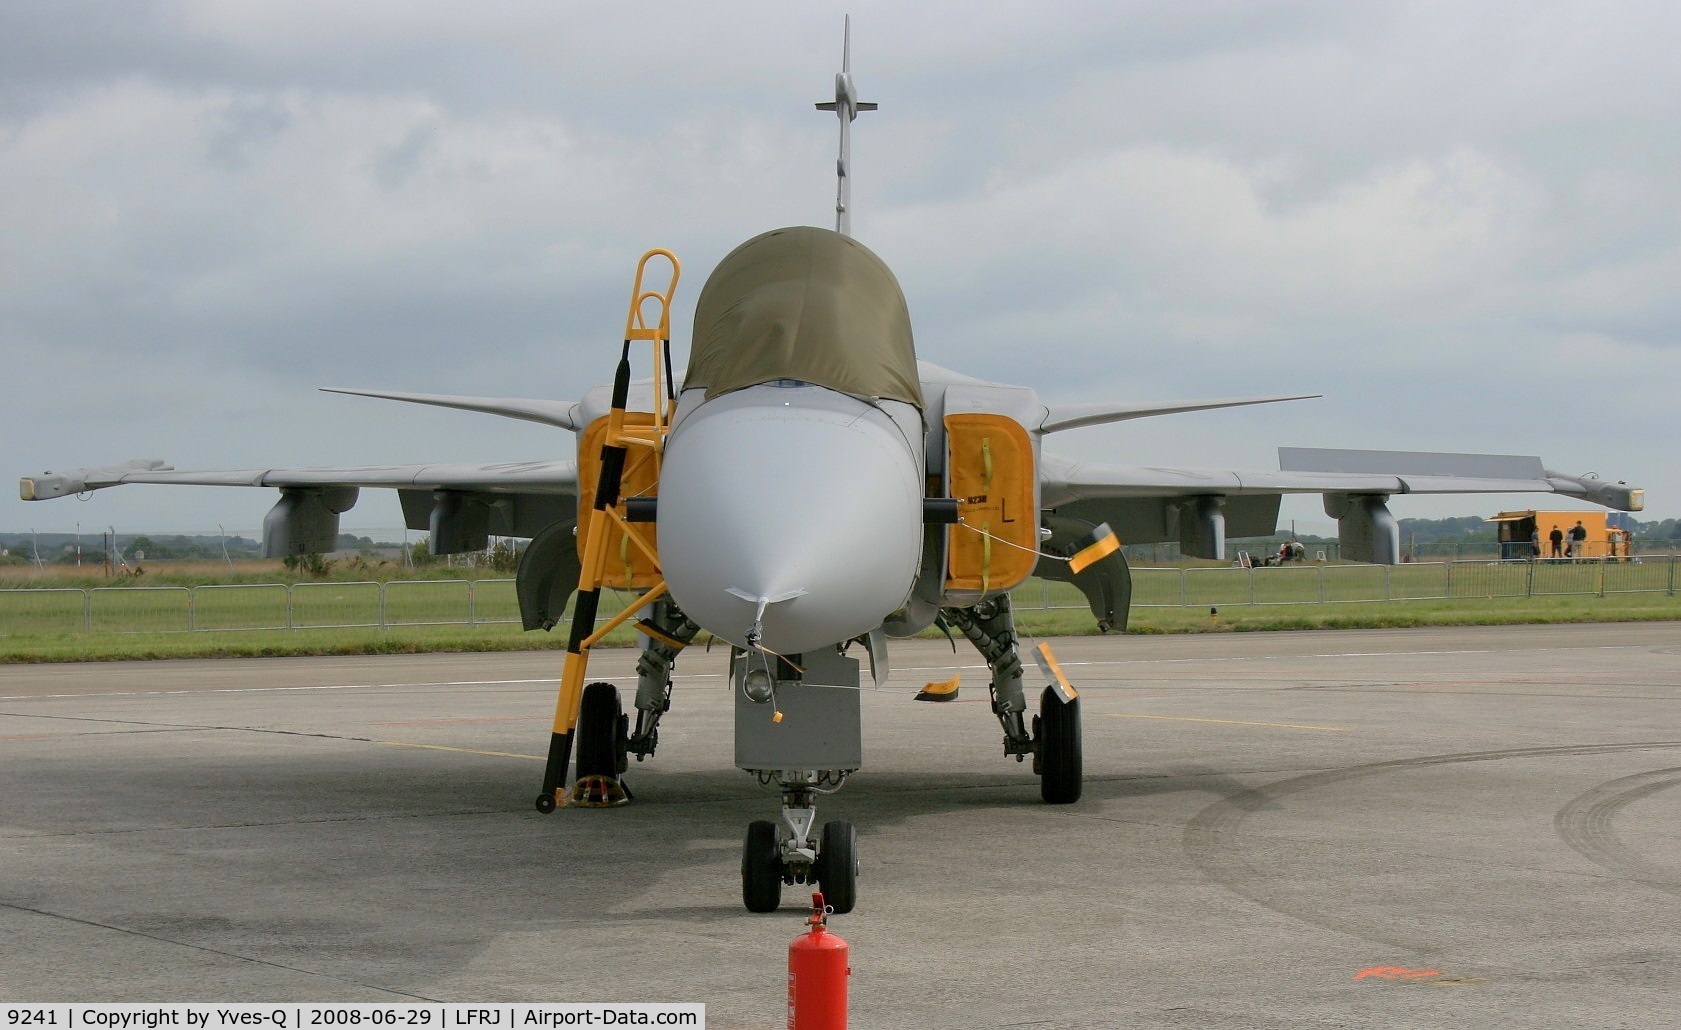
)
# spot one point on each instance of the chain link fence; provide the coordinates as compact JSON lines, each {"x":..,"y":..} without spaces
{"x":1428,"y":551}
{"x":1205,"y":587}
{"x":484,"y":602}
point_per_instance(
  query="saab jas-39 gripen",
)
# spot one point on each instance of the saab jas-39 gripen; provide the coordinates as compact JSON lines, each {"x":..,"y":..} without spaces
{"x":807,"y":484}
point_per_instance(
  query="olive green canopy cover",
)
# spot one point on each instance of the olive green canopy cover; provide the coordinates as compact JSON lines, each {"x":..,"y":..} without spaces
{"x":809,"y":304}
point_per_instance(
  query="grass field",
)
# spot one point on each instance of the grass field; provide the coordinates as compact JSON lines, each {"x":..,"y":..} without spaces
{"x":344,"y":617}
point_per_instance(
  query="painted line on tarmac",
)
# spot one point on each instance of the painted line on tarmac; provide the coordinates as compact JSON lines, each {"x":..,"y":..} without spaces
{"x":1229,"y":658}
{"x":460,"y":750}
{"x":1232,"y":722}
{"x":547,"y":680}
{"x":905,"y":669}
{"x":458,"y":722}
{"x":273,"y":690}
{"x":1299,"y":657}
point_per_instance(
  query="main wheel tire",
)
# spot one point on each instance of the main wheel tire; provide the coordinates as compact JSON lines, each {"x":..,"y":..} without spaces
{"x":1059,"y":749}
{"x":837,"y":866}
{"x":761,"y":868}
{"x":600,"y":733}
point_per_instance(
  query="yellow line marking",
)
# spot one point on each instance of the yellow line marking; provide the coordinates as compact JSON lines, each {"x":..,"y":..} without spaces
{"x":461,"y":750}
{"x":1232,"y":722}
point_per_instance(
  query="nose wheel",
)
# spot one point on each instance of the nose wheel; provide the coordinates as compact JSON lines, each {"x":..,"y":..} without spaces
{"x":761,"y":868}
{"x":787,"y":852}
{"x":837,"y":866}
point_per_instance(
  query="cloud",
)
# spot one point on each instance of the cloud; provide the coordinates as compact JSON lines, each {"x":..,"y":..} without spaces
{"x":1176,"y":248}
{"x":1460,"y":223}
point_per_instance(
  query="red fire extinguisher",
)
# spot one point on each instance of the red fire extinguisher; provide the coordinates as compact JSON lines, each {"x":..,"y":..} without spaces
{"x":817,"y":974}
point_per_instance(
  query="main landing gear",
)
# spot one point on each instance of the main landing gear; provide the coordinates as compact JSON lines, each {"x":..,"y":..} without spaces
{"x":785,"y":851}
{"x":604,"y":736}
{"x":603,"y":739}
{"x":1054,"y":741}
{"x":1056,"y":748}
{"x":602,"y":745}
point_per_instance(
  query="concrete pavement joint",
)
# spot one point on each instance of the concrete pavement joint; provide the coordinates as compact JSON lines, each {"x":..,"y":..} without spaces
{"x":210,"y":951}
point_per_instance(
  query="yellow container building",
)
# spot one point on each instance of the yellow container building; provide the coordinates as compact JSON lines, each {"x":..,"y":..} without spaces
{"x":1528,"y":534}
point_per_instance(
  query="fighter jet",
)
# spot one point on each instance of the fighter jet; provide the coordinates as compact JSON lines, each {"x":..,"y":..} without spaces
{"x":805,"y":486}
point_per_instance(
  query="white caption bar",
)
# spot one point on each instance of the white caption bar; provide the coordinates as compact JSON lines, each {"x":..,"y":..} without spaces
{"x":322,"y":1016}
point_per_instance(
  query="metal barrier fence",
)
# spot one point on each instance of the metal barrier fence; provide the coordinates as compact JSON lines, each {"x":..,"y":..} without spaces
{"x":482,"y":602}
{"x":1339,"y":584}
{"x":1431,"y":551}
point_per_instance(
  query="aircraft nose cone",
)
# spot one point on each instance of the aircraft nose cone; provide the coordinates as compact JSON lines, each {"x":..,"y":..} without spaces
{"x":816,"y":510}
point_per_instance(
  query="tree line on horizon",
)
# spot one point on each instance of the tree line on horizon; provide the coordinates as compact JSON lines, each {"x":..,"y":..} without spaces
{"x":60,"y":548}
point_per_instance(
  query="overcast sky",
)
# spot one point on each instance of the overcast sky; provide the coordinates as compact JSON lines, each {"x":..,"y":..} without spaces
{"x":1460,"y":222}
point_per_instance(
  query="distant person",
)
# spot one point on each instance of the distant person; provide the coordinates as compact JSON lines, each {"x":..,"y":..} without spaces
{"x":1557,"y":539}
{"x":1535,"y":542}
{"x":1289,"y":551}
{"x":1578,"y":537}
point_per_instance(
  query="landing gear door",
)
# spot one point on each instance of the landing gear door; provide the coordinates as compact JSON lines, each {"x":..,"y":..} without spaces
{"x":991,"y":470}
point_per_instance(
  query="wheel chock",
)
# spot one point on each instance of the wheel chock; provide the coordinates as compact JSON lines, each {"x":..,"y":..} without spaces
{"x":598,"y":792}
{"x":946,"y":691}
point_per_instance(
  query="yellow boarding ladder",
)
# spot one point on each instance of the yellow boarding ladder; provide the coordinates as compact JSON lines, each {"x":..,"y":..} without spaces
{"x":607,"y":516}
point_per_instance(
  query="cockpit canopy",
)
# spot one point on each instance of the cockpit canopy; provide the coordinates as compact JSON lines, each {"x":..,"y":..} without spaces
{"x":806,"y":304}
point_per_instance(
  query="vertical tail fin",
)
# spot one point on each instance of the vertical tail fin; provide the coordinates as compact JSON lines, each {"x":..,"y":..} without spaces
{"x":846,"y":106}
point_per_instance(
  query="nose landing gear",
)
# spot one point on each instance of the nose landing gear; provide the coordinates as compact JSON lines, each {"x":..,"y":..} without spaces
{"x":785,"y":852}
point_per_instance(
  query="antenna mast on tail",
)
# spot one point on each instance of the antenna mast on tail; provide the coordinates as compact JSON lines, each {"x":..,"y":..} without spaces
{"x":846,"y":106}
